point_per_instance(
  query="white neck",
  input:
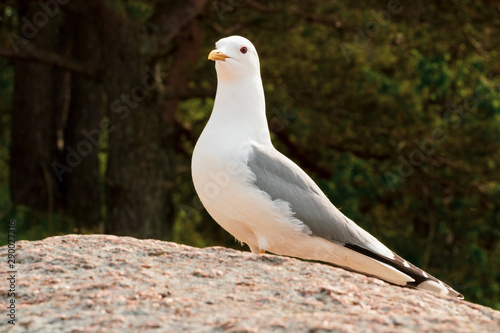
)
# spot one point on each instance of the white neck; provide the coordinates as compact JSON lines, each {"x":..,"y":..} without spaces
{"x":240,"y":109}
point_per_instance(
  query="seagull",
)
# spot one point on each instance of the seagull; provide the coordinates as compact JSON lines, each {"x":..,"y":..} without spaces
{"x":267,"y":201}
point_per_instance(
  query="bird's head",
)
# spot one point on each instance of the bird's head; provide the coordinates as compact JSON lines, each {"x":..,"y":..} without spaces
{"x":235,"y":58}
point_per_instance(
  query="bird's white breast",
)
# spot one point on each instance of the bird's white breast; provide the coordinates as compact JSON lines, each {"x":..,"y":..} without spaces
{"x":225,"y":185}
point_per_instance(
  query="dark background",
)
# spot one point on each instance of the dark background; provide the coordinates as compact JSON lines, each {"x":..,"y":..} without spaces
{"x":392,"y":107}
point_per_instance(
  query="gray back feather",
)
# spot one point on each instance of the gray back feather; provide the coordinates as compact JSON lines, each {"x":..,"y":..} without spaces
{"x":282,"y":179}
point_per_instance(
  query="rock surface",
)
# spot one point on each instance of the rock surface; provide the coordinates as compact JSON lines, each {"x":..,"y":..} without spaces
{"x":102,"y":283}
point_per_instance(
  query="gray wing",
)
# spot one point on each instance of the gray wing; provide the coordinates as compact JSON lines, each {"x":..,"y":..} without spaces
{"x":283,"y":179}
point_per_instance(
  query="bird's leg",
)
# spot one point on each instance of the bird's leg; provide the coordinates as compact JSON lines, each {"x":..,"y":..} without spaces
{"x":254,"y":249}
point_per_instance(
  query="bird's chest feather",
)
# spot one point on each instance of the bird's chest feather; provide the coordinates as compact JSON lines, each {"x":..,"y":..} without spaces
{"x":219,"y":169}
{"x":225,"y":186}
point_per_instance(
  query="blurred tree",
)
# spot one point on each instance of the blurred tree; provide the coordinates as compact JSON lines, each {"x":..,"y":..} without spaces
{"x":33,"y":130}
{"x":75,"y":63}
{"x":80,"y":103}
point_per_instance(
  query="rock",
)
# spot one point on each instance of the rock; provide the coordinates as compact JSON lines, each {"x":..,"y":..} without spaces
{"x":103,"y":283}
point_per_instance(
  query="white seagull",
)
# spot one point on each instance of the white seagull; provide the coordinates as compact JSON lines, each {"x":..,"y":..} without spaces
{"x":263,"y":198}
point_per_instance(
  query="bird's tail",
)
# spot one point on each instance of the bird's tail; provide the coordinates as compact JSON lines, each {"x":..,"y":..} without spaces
{"x":438,"y":287}
{"x":422,"y":279}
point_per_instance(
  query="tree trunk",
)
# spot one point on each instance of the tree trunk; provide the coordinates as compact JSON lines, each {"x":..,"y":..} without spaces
{"x":188,"y":49}
{"x":33,"y":146}
{"x":135,"y":175}
{"x":83,"y":133}
{"x":141,"y":167}
{"x":58,"y":121}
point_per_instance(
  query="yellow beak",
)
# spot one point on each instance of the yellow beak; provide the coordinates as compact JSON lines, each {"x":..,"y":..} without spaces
{"x":217,"y":55}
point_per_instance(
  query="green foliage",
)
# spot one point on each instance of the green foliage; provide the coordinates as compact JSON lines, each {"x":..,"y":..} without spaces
{"x":34,"y":225}
{"x":136,"y":9}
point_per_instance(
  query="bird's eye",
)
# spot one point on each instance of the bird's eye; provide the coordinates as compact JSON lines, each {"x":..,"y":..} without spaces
{"x":243,"y":50}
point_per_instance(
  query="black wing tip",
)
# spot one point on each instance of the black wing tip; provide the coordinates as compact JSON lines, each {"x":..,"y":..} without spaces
{"x":423,"y":280}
